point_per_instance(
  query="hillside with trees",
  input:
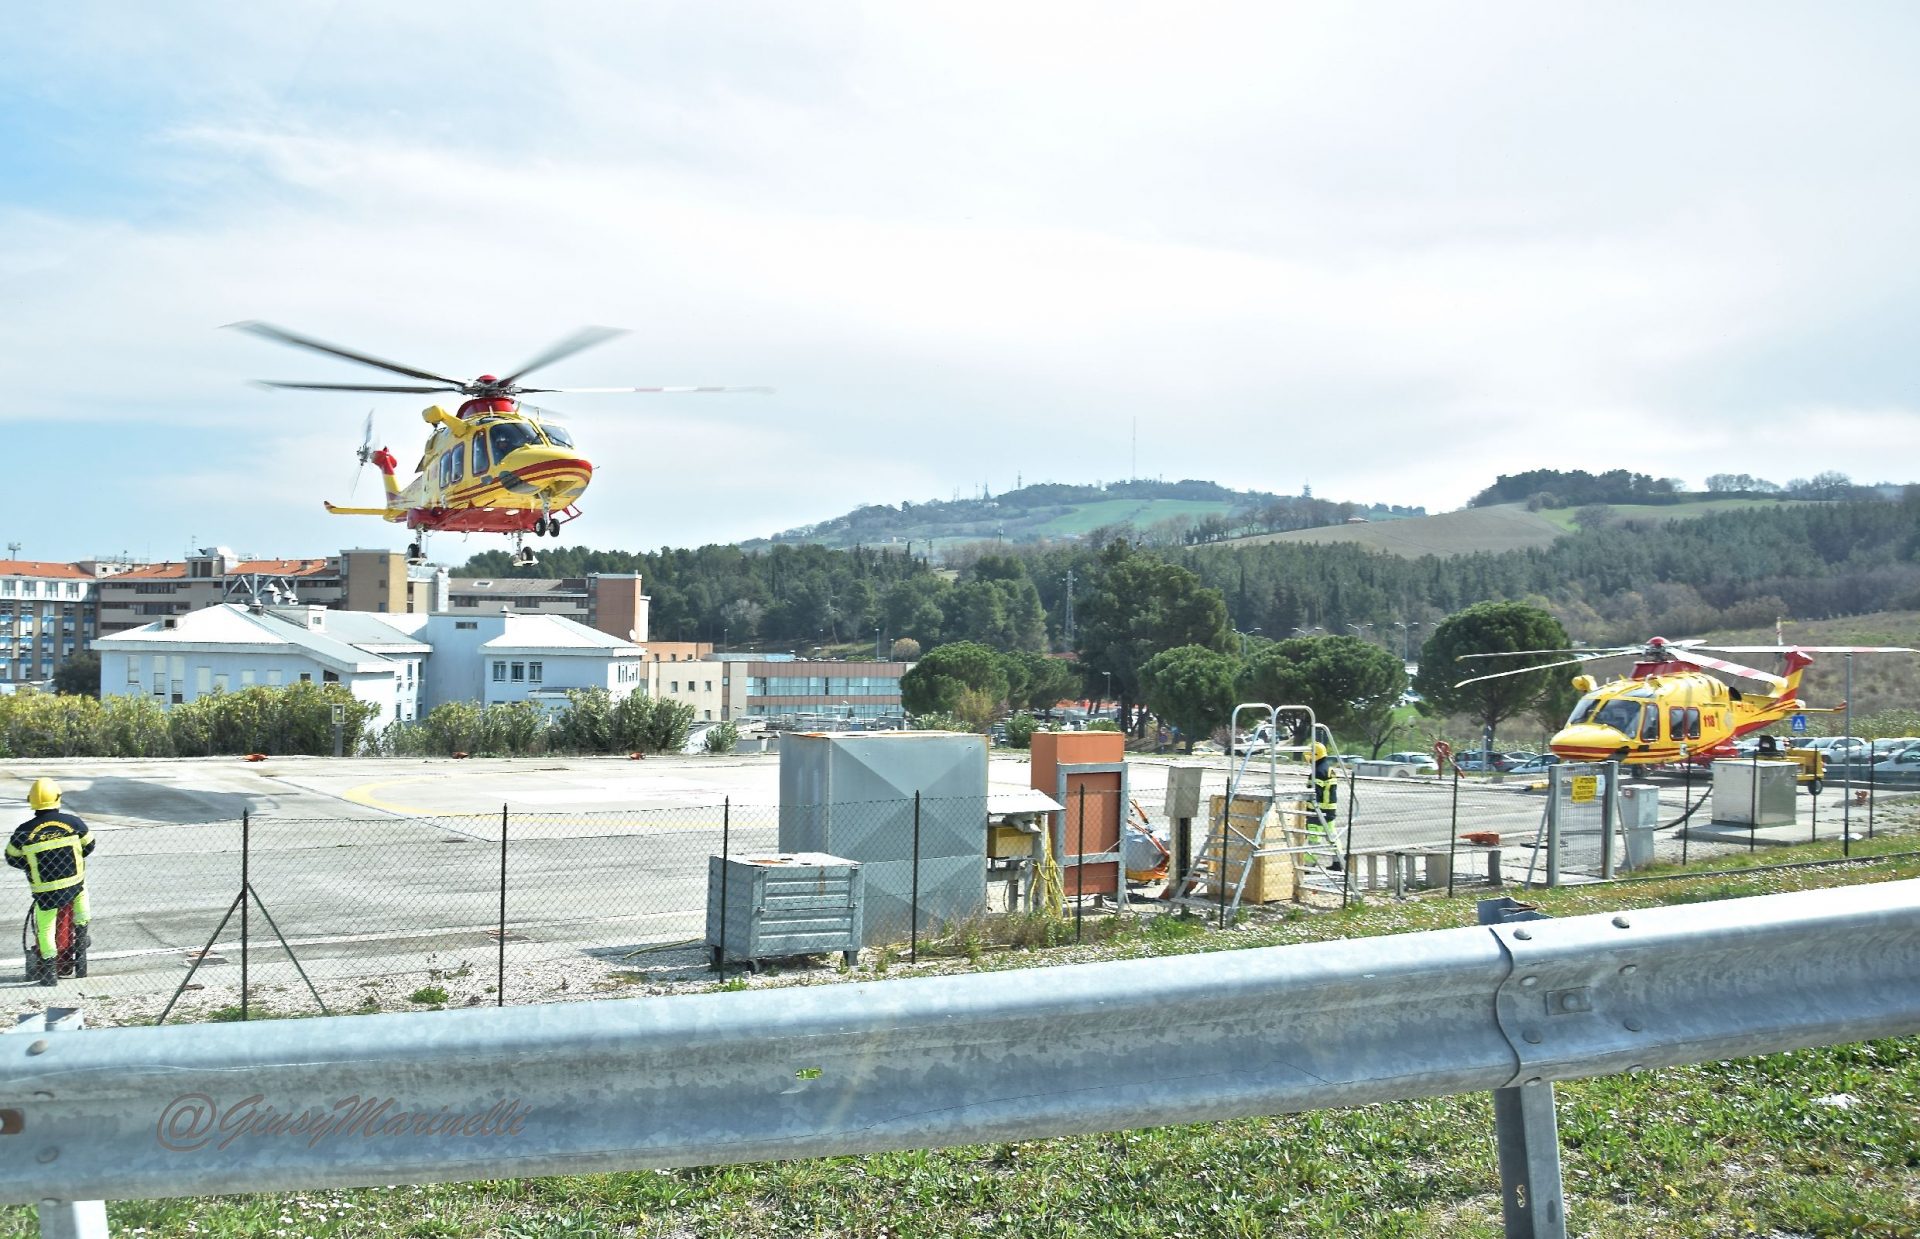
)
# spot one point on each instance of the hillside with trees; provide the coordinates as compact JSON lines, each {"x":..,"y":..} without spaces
{"x":1146,"y":511}
{"x":1609,"y":580}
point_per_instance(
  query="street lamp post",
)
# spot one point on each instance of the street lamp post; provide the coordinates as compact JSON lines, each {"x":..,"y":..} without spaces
{"x":1251,"y":632}
{"x":1361,"y":630}
{"x":1406,"y":638}
{"x":1308,"y":632}
{"x":1109,"y":689}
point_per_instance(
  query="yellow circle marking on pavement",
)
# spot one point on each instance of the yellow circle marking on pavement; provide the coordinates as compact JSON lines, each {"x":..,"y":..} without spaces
{"x":364,"y":795}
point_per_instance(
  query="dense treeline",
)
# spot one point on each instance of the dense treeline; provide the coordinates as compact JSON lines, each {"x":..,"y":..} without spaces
{"x":1612,"y":580}
{"x":1573,"y":488}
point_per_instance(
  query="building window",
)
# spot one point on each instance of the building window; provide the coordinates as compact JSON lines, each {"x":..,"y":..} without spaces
{"x":709,"y":685}
{"x":220,"y":682}
{"x":500,"y":672}
{"x":330,"y":677}
{"x":203,"y":679}
{"x":306,"y":677}
{"x":535,"y":672}
{"x":276,"y":677}
{"x":469,"y":625}
{"x":519,"y":673}
{"x":246,"y":679}
{"x":673,"y":686}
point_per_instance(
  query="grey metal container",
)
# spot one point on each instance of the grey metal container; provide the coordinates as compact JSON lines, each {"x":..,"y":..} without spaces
{"x":853,"y":796}
{"x":764,"y":907}
{"x":1754,"y":793}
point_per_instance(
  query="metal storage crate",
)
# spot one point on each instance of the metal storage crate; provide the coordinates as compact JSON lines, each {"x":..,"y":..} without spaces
{"x":852,"y":796}
{"x":1754,"y":793}
{"x":764,"y":907}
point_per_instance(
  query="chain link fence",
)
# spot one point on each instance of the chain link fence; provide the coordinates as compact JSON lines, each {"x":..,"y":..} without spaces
{"x":366,"y":914}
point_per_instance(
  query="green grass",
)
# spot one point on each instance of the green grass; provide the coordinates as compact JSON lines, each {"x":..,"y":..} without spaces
{"x":1563,"y":517}
{"x":1741,"y":1147}
{"x":1139,"y":513}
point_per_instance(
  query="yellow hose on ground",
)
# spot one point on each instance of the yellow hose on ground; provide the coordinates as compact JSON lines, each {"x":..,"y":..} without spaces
{"x":1053,"y":888}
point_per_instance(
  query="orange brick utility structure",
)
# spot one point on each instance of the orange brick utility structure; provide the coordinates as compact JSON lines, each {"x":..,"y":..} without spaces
{"x":1094,"y":811}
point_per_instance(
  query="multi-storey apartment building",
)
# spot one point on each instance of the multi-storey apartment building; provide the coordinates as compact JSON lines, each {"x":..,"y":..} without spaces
{"x":46,"y":616}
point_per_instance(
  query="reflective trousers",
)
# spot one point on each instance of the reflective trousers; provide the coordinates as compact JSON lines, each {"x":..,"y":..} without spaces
{"x":44,"y":920}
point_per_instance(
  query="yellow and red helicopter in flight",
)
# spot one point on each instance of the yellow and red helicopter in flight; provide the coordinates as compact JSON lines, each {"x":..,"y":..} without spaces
{"x":494,"y":465}
{"x":1670,"y":707}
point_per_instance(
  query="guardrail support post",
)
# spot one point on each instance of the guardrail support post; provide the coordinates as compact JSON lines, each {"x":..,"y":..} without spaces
{"x":1529,"y":1144}
{"x":62,"y":1219}
{"x":1525,"y":1133}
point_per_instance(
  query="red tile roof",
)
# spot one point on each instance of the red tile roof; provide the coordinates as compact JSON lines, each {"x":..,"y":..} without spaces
{"x":33,"y":567}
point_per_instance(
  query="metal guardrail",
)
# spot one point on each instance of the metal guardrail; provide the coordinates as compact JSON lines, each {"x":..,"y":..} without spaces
{"x":926,"y":1062}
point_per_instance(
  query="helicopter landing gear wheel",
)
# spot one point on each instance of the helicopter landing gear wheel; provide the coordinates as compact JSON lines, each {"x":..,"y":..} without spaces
{"x":415,"y":553}
{"x":540,"y":526}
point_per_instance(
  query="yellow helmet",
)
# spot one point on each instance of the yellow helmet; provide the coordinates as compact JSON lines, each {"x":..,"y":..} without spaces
{"x":44,"y":794}
{"x":1319,"y":750}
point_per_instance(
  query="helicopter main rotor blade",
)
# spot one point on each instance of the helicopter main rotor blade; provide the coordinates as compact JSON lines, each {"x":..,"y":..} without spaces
{"x":1586,"y":650}
{"x":577,"y":390}
{"x":584,"y":338}
{"x":282,"y":336}
{"x":347,"y":387}
{"x":1500,"y":675}
{"x":1813,"y":649}
{"x":1720,"y":664}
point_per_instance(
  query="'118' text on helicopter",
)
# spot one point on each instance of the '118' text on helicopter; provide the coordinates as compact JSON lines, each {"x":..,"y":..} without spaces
{"x":1669,"y":708}
{"x":495,"y":465}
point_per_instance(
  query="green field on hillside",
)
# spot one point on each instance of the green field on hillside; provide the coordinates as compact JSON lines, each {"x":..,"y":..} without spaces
{"x":1563,"y":517}
{"x":1140,"y":513}
{"x":1502,"y":527}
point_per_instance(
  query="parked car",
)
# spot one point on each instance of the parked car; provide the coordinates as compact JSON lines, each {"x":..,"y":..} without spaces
{"x":1906,"y":761}
{"x":1477,"y":763}
{"x":1843,"y":749}
{"x":1536,"y":765}
{"x":1889,"y":745}
{"x":1398,"y":765}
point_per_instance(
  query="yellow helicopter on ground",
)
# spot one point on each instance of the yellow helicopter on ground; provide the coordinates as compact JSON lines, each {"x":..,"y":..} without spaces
{"x":496,"y":465}
{"x":1669,"y":707}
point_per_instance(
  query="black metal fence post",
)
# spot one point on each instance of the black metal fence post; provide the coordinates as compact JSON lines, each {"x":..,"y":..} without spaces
{"x":246,"y":902}
{"x":500,"y":966}
{"x":1686,"y":818}
{"x":726,"y":849}
{"x":1870,"y":796}
{"x":1220,"y":876}
{"x":1080,"y":868}
{"x":913,"y":900}
{"x":1453,"y":834}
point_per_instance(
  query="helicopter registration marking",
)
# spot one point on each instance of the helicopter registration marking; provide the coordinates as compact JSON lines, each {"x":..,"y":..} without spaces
{"x":1586,"y":788}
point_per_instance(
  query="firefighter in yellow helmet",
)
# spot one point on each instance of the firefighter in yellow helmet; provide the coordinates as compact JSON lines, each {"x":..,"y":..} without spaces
{"x":1326,"y":797}
{"x":52,"y":847}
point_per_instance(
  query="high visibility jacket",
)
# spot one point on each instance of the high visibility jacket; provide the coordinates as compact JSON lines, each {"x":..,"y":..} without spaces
{"x":1326,"y":791}
{"x":53,"y":848}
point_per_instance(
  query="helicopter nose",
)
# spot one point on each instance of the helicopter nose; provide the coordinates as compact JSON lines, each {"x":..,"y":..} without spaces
{"x":556,"y":474}
{"x":1587,"y":742}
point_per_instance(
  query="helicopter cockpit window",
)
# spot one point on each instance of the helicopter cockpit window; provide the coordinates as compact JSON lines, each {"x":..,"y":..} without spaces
{"x":479,"y":455}
{"x":507,"y":436}
{"x":557,"y":435}
{"x":1584,"y":711}
{"x":1623,"y":716}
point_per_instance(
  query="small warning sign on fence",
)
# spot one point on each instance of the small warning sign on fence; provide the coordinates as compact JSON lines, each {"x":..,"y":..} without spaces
{"x":1585,"y":788}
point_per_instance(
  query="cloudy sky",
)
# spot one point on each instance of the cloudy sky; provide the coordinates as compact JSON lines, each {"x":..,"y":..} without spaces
{"x":1390,"y":250}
